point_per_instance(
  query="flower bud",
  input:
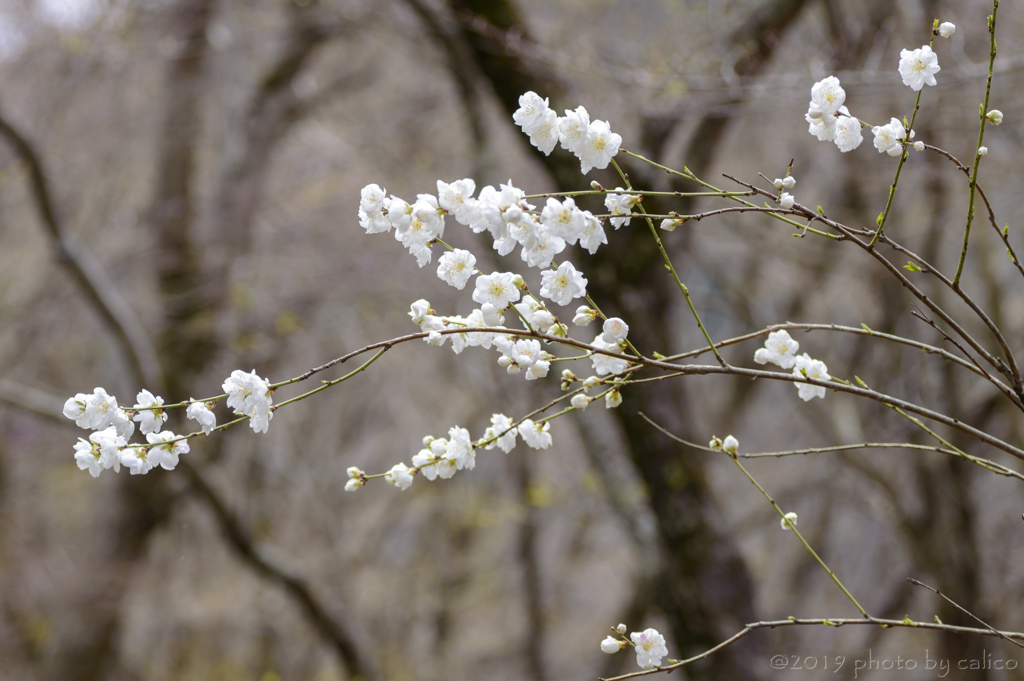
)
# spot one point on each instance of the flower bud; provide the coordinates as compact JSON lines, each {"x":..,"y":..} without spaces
{"x":946,"y":29}
{"x":995,"y":116}
{"x":580,"y":401}
{"x":982,"y":151}
{"x":610,"y":645}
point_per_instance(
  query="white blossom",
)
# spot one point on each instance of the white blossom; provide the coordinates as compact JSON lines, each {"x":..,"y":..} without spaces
{"x":888,"y":137}
{"x":947,"y":29}
{"x":847,"y":134}
{"x":356,"y":479}
{"x":150,"y":418}
{"x":545,"y":133}
{"x":584,"y":315}
{"x":918,"y":67}
{"x":535,"y":435}
{"x":372,"y":206}
{"x":530,"y":112}
{"x":563,"y":284}
{"x":786,"y":200}
{"x":456,"y":267}
{"x":787,"y":182}
{"x":124,"y":425}
{"x":620,"y":205}
{"x":460,"y":449}
{"x":822,"y":127}
{"x":540,"y":251}
{"x":419,"y":310}
{"x":612,"y":399}
{"x":94,"y":411}
{"x":982,"y":151}
{"x":563,"y":219}
{"x":650,"y":648}
{"x":371,"y":198}
{"x":600,"y":147}
{"x":580,"y":401}
{"x":497,"y":289}
{"x":165,"y":453}
{"x":919,"y":146}
{"x":789,"y":521}
{"x":593,"y":233}
{"x":779,"y":349}
{"x":995,"y":116}
{"x":605,"y":364}
{"x":249,"y":395}
{"x":670,"y":224}
{"x":615,"y":330}
{"x":730,"y":444}
{"x":100,"y":452}
{"x":572,"y":129}
{"x":501,"y":427}
{"x":87,"y":457}
{"x":827,"y":96}
{"x":811,"y":368}
{"x":400,"y":476}
{"x":201,"y":412}
{"x":456,"y":198}
{"x":136,"y":460}
{"x":621,"y":628}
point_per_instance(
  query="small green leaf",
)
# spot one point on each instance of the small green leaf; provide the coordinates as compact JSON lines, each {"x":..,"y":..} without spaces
{"x":865,"y":326}
{"x":878,"y":220}
{"x":821,"y":211}
{"x":860,"y":382}
{"x":912,"y":267}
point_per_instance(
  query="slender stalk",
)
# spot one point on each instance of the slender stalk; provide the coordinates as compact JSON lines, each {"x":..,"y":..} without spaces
{"x":981,"y":138}
{"x":675,"y":275}
{"x":903,"y":159}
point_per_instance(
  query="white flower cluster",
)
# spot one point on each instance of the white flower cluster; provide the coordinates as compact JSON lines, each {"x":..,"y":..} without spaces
{"x":593,"y":142}
{"x":831,"y":121}
{"x":510,"y":220}
{"x":888,"y":138}
{"x":108,"y":447}
{"x":649,"y":645}
{"x":443,"y":457}
{"x":781,"y":349}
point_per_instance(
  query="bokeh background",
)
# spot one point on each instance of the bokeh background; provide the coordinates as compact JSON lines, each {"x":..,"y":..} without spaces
{"x":179,"y":181}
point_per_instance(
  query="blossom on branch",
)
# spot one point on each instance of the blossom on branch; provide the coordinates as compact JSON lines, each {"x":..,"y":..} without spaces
{"x":918,"y":67}
{"x":650,"y":648}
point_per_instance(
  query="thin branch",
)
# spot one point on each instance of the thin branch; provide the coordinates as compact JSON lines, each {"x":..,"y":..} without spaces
{"x":965,"y":611}
{"x":86,"y":270}
{"x":828,"y":622}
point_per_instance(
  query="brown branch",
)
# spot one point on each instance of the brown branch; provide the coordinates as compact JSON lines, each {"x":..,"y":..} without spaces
{"x":828,"y":622}
{"x":238,"y":538}
{"x":94,"y":283}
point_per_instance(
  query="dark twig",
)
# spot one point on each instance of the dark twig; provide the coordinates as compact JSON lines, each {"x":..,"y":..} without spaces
{"x":965,"y":611}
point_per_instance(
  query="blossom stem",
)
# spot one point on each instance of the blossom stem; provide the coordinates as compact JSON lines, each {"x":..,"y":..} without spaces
{"x":981,"y":139}
{"x":672,"y":270}
{"x":328,"y":384}
{"x":903,"y":159}
{"x":637,"y":192}
{"x":800,"y":537}
{"x":693,"y":178}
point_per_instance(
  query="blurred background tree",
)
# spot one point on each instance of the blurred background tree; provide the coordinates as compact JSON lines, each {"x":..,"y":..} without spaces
{"x":178,"y":191}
